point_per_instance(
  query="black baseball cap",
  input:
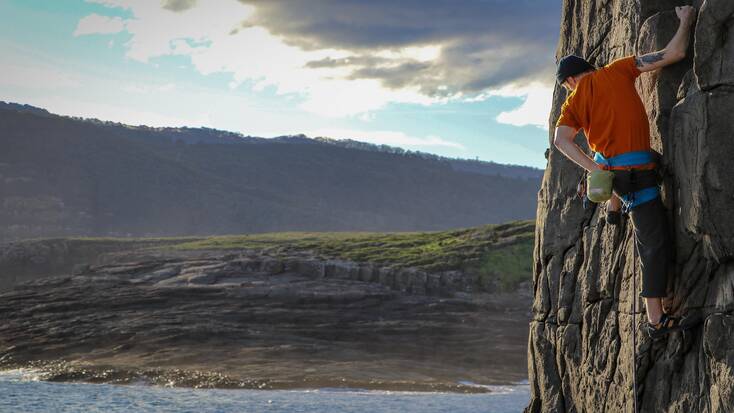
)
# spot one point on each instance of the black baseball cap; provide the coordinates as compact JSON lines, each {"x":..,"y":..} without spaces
{"x":572,"y":65}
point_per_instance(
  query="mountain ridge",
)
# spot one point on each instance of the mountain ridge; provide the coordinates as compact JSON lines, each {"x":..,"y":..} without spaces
{"x":184,"y":133}
{"x":64,"y":176}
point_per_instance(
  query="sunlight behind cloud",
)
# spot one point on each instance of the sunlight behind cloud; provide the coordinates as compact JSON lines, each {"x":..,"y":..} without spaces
{"x":537,"y":98}
{"x":419,"y":53}
{"x":217,"y":39}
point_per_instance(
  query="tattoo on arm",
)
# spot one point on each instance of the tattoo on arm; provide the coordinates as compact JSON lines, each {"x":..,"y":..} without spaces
{"x":649,"y":58}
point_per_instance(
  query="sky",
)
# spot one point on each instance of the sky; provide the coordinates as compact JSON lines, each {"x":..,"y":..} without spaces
{"x":468,"y":79}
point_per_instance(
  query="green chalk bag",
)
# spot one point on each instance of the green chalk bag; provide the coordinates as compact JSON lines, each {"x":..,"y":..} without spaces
{"x":599,"y":185}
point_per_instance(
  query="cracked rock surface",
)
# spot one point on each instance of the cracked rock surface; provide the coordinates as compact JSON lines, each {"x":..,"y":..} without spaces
{"x":580,"y":351}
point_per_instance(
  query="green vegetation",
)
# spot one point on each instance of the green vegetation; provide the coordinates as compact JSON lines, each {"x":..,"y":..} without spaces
{"x":499,"y":254}
{"x":502,"y":253}
{"x":509,"y":265}
{"x":164,"y":240}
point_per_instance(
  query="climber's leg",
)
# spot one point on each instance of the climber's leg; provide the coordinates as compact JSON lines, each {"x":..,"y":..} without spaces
{"x":654,"y":307}
{"x":651,"y":236}
{"x":653,"y":247}
{"x":614,"y":205}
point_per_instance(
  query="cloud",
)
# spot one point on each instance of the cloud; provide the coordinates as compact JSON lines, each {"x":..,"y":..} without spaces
{"x":96,"y":24}
{"x":481,"y":43}
{"x":379,"y":24}
{"x":29,"y":70}
{"x":144,"y":88}
{"x":123,"y":4}
{"x":178,"y":5}
{"x":37,"y":77}
{"x":534,"y":108}
{"x":348,"y":57}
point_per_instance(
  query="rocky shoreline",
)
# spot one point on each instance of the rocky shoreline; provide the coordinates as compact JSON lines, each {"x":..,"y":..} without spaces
{"x":248,"y":319}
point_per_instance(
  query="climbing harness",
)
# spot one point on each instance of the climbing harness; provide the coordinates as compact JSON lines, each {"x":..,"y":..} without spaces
{"x":635,"y":178}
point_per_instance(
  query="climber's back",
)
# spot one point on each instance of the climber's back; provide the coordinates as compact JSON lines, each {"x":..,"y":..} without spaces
{"x":607,"y":106}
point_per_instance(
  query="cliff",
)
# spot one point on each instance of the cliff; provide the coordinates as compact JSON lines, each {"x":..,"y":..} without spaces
{"x":580,"y":348}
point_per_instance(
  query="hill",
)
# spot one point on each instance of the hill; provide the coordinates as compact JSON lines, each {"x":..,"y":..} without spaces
{"x":66,"y":176}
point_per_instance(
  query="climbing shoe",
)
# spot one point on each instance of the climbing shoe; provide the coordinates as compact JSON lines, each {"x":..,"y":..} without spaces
{"x":666,"y":325}
{"x":614,"y":217}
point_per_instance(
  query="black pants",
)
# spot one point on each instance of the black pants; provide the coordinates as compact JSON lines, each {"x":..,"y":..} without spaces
{"x":653,"y":246}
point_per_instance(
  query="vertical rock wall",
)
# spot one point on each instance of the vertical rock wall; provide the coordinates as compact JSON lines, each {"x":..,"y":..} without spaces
{"x":580,"y":351}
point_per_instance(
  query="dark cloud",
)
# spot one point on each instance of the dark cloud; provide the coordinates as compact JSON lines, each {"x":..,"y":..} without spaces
{"x":486,"y":43}
{"x":364,"y":60}
{"x":397,"y":76}
{"x":178,"y":5}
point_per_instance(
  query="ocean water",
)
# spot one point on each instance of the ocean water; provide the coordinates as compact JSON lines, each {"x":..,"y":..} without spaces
{"x":21,"y":391}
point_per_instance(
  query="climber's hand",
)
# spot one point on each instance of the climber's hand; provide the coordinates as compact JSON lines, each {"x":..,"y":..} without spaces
{"x":686,"y":14}
{"x":676,"y":49}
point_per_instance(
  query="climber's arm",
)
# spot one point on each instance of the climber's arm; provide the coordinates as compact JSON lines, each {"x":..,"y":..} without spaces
{"x":676,"y":48}
{"x":563,"y":140}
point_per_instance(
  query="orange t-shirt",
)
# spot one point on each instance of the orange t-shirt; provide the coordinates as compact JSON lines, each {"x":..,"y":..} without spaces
{"x":606,"y":105}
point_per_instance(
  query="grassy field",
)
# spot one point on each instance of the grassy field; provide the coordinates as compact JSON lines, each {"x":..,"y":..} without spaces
{"x":499,"y":252}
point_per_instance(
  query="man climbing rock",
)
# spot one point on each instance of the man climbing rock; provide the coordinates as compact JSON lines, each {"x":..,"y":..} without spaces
{"x":605,"y":104}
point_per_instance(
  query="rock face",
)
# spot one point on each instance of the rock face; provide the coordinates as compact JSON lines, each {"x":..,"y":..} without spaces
{"x":580,"y":351}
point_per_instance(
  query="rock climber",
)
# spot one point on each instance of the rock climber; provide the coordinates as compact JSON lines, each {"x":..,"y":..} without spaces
{"x":605,"y":104}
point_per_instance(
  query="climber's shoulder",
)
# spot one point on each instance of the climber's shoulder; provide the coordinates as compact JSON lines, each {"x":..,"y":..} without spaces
{"x":623,"y":66}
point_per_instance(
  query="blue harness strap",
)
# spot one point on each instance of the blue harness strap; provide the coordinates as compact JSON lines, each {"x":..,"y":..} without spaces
{"x":631,"y":159}
{"x":625,"y":159}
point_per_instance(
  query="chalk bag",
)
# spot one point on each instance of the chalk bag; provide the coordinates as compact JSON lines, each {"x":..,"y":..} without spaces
{"x":599,"y":185}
